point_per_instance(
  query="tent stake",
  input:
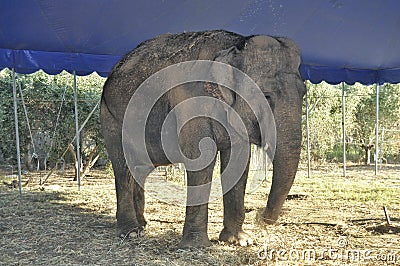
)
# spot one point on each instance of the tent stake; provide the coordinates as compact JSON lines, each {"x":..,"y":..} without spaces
{"x":78,"y":157}
{"x":17,"y":131}
{"x":377,"y":130}
{"x":344,"y":129}
{"x":386,"y":215}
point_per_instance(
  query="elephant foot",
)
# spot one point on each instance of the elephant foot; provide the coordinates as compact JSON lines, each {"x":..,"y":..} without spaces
{"x":269,"y":217}
{"x":133,"y":233}
{"x":237,"y":238}
{"x":133,"y":230}
{"x":194,"y":240}
{"x":142,"y":222}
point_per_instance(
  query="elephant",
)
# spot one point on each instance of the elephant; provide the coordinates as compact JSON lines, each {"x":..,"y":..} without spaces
{"x":271,"y":62}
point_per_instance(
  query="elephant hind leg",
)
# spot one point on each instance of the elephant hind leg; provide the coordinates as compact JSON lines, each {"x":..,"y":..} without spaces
{"x":140,"y":174}
{"x":130,"y":201}
{"x":127,"y":222}
{"x":130,"y":196}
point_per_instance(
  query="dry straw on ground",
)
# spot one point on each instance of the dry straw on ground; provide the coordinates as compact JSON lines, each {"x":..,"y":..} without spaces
{"x":326,"y":213}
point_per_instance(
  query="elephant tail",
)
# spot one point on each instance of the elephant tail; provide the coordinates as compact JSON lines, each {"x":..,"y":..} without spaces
{"x":104,"y":108}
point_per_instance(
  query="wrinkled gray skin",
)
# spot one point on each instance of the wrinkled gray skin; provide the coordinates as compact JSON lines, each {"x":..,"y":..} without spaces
{"x":271,"y":62}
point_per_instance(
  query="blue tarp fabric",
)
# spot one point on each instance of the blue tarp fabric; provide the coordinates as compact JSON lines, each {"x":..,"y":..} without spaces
{"x":341,"y":40}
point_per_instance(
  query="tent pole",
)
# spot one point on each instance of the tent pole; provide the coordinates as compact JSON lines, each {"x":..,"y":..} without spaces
{"x":308,"y":136}
{"x":78,"y":154}
{"x":17,"y":131}
{"x":344,"y":129}
{"x":377,"y":129}
{"x":380,"y":148}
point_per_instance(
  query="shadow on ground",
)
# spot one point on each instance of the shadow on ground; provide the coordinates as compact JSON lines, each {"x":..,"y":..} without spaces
{"x":46,"y":228}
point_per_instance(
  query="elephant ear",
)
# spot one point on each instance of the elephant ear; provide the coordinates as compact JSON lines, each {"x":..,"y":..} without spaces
{"x":245,"y":57}
{"x":233,"y":57}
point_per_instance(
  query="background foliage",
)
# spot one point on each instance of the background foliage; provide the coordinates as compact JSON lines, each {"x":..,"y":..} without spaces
{"x":325,"y":122}
{"x":43,"y":95}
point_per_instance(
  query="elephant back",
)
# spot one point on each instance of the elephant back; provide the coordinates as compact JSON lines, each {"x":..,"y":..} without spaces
{"x":157,"y":53}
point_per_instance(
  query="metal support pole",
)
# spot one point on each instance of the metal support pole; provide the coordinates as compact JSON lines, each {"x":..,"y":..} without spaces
{"x":344,"y":129}
{"x":377,"y":130}
{"x":78,"y":154}
{"x":308,"y":137}
{"x":380,"y":148}
{"x":17,"y":131}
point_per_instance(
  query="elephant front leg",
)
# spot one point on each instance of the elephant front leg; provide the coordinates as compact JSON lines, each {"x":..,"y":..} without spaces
{"x":198,"y":192}
{"x":195,"y":228}
{"x":138,"y":199}
{"x":234,"y":211}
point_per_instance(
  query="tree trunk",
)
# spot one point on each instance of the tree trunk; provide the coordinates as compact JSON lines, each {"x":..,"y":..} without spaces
{"x":90,"y":161}
{"x":71,"y":149}
{"x":367,"y":153}
{"x":367,"y":156}
{"x":28,"y":157}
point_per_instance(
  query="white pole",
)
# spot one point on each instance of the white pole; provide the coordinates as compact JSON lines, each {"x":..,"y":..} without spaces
{"x":17,"y":131}
{"x":380,"y":148}
{"x":308,"y":137}
{"x":344,"y":129}
{"x":377,"y":130}
{"x":78,"y":154}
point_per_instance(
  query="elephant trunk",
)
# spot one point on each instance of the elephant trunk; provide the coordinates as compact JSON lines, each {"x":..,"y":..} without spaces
{"x":287,"y":154}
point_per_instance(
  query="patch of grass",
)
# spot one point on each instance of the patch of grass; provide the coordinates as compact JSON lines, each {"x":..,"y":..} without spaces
{"x":360,"y":186}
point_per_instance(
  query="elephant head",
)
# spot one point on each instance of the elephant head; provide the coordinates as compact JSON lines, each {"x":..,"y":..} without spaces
{"x":273,"y":63}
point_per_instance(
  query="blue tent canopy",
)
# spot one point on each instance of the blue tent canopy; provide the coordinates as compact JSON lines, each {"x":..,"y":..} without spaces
{"x":341,"y":40}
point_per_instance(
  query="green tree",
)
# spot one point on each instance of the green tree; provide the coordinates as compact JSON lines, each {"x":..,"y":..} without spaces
{"x":324,"y":119}
{"x":51,"y":117}
{"x":365,"y":116}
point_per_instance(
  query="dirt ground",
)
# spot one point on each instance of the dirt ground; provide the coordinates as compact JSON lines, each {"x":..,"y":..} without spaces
{"x":327,"y":220}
